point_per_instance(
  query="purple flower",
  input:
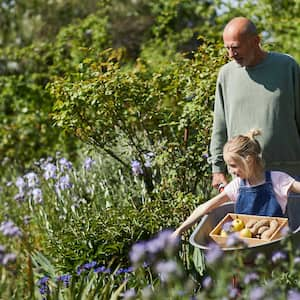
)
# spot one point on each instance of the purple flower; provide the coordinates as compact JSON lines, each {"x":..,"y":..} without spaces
{"x":233,"y":292}
{"x":285,"y":231}
{"x":163,"y":241}
{"x":50,"y":171}
{"x":63,"y":183}
{"x":136,"y":168}
{"x":32,"y":179}
{"x":8,"y":258}
{"x":138,"y":252}
{"x":43,"y":285}
{"x":20,"y":197}
{"x":65,"y":164}
{"x":207,"y":282}
{"x":278,"y":256}
{"x":86,"y":266}
{"x":250,"y":278}
{"x":234,"y":240}
{"x":257,"y":293}
{"x":9,"y":229}
{"x":26,"y":219}
{"x":129,"y":294}
{"x":227,"y":226}
{"x":20,"y":184}
{"x":124,"y":270}
{"x":293,"y":295}
{"x":88,"y":163}
{"x":213,"y":253}
{"x":167,"y":269}
{"x":148,"y":159}
{"x":37,"y":195}
{"x":102,"y":269}
{"x":65,"y":279}
{"x":297,"y":260}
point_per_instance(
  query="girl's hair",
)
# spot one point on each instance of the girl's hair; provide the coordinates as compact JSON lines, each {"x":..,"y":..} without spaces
{"x":242,"y":146}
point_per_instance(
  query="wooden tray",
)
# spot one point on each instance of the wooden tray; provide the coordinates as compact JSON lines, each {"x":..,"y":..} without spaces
{"x":221,"y":240}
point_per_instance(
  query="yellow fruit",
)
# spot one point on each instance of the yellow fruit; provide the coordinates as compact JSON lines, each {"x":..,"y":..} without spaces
{"x":223,"y":233}
{"x":237,"y":224}
{"x":245,"y":232}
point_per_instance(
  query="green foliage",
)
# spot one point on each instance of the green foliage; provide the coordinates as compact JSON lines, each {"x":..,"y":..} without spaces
{"x":151,"y":107}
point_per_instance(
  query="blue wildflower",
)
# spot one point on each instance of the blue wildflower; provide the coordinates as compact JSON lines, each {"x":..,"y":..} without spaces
{"x":20,"y":183}
{"x":163,"y":241}
{"x":65,"y":279}
{"x":88,"y":163}
{"x":213,"y":253}
{"x":102,"y":269}
{"x":278,"y":257}
{"x":207,"y":282}
{"x":250,"y":278}
{"x":293,"y":295}
{"x":63,"y":183}
{"x":8,"y":258}
{"x":124,"y":270}
{"x":9,"y":229}
{"x":233,"y":292}
{"x":138,"y":252}
{"x":85,"y":267}
{"x":65,"y":164}
{"x":227,"y":226}
{"x":257,"y":293}
{"x":167,"y":269}
{"x":37,"y":195}
{"x":148,"y":159}
{"x":32,"y":179}
{"x":20,"y":197}
{"x":43,"y":285}
{"x":129,"y":294}
{"x":50,"y":171}
{"x":297,"y":261}
{"x":136,"y":168}
{"x":234,"y":240}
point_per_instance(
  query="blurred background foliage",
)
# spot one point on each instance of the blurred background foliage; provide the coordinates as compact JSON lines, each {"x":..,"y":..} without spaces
{"x":143,"y":70}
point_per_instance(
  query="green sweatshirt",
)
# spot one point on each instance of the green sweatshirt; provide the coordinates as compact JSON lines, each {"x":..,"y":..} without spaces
{"x":265,"y":97}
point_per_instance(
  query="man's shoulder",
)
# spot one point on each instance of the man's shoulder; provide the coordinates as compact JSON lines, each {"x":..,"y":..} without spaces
{"x":283,"y":57}
{"x":229,"y":68}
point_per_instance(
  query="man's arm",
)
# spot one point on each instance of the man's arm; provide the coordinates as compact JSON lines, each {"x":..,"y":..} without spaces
{"x":218,"y":138}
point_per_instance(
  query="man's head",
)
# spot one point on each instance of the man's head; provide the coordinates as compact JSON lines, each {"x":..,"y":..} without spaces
{"x":242,"y":42}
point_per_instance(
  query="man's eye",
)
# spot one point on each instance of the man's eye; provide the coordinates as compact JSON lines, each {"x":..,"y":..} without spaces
{"x":232,"y":48}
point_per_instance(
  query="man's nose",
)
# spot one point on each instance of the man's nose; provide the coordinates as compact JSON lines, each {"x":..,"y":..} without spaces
{"x":232,"y":52}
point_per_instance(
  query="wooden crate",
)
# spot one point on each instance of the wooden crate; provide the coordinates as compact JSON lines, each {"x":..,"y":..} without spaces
{"x":221,"y":240}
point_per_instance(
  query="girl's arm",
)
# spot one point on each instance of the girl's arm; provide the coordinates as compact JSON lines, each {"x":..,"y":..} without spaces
{"x":295,"y":187}
{"x":200,"y":211}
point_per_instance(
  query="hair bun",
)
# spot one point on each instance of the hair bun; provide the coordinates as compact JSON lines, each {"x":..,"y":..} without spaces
{"x":253,"y":133}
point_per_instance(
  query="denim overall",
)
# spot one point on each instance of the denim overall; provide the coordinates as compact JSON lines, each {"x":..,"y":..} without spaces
{"x":258,"y":200}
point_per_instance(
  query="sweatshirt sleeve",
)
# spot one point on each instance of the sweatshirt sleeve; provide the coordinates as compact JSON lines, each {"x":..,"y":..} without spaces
{"x":297,"y":93}
{"x":219,"y":132}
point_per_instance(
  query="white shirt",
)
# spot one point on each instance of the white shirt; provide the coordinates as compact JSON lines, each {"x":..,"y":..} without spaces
{"x":281,"y":185}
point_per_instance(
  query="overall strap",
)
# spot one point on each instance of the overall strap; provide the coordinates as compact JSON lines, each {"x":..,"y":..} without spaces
{"x":268,"y":177}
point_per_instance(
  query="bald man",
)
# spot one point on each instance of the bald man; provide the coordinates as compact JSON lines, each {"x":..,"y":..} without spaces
{"x":256,"y":89}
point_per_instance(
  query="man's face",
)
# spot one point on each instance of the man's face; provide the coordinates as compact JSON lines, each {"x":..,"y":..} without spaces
{"x":241,"y":48}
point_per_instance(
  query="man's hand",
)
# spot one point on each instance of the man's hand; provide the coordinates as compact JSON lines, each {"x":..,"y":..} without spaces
{"x":219,"y":178}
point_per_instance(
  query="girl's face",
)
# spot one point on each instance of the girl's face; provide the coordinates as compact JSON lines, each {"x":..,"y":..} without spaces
{"x":236,"y":167}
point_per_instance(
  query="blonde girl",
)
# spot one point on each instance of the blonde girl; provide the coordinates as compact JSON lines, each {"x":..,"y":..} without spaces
{"x":254,"y":190}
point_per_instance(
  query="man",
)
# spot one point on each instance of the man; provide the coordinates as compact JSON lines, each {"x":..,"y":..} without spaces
{"x":257,"y":89}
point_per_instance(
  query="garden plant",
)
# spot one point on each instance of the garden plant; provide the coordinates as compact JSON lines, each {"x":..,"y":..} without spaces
{"x":106,"y":115}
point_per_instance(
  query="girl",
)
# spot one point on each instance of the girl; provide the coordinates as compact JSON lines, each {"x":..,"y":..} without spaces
{"x":254,"y":190}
